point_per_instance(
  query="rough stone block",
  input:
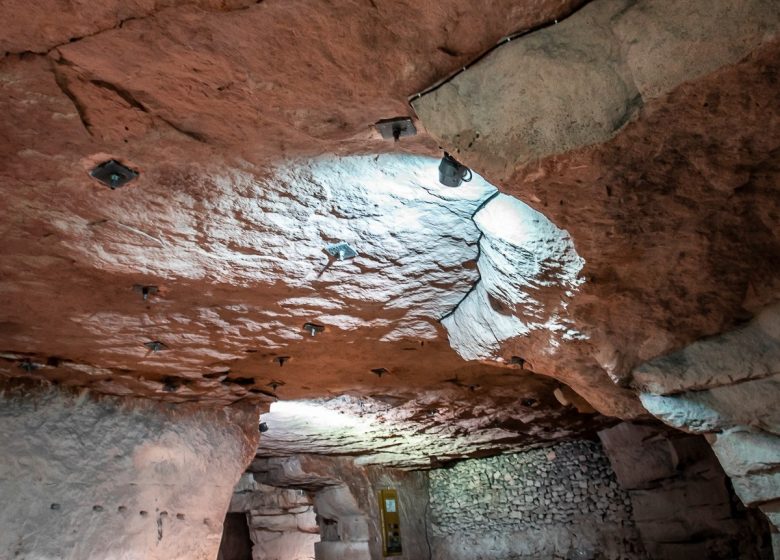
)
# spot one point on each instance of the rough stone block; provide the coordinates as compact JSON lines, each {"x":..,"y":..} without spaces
{"x":353,"y":528}
{"x":637,"y":456}
{"x":587,"y":76}
{"x":742,"y":451}
{"x":720,"y":408}
{"x":680,"y":499}
{"x":285,"y":522}
{"x":757,"y":488}
{"x":307,"y":521}
{"x":283,"y":546}
{"x":751,"y":352}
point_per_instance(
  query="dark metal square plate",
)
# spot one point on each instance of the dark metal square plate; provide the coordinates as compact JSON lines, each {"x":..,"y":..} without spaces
{"x":113,"y":174}
{"x":395,"y":128}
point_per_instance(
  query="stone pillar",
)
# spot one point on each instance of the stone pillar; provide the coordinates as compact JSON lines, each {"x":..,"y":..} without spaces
{"x":350,"y":541}
{"x":85,"y":479}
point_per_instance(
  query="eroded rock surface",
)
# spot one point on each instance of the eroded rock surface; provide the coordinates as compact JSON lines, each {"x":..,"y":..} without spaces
{"x":664,"y":174}
{"x":155,"y":479}
{"x":652,"y":186}
{"x":733,"y":399}
{"x":682,"y":504}
{"x":431,"y":430}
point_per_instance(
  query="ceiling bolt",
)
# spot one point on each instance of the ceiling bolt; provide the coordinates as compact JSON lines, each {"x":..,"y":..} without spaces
{"x":275,"y":384}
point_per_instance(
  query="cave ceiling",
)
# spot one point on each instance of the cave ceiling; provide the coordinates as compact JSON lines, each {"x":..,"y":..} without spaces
{"x":507,"y":312}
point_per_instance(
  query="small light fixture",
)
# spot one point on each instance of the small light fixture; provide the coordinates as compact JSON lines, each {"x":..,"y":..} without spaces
{"x":263,"y":427}
{"x":155,"y":346}
{"x":396,"y":128}
{"x":28,"y":365}
{"x":452,"y":173}
{"x":341,"y":251}
{"x":113,"y":174}
{"x":313,"y":328}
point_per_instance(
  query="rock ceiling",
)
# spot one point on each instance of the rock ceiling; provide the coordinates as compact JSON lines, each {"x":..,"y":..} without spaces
{"x":250,"y":124}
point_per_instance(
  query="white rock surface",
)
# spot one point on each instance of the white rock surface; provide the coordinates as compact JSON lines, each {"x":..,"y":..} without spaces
{"x":102,"y":480}
{"x":529,"y":269}
{"x":419,"y":433}
{"x":721,"y":408}
{"x":751,"y":352}
{"x":742,"y":451}
{"x":271,"y":228}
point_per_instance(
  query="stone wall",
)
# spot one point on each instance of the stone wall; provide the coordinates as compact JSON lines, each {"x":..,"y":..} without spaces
{"x":682,"y":503}
{"x":557,"y":502}
{"x":112,"y":479}
{"x":281,"y":521}
{"x":727,"y":387}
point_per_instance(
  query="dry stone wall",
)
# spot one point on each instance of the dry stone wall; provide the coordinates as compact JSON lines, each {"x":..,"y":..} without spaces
{"x":556,"y":502}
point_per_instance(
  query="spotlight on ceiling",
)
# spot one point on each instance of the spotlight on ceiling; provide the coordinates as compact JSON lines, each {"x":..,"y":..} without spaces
{"x":113,"y":174}
{"x":452,"y":173}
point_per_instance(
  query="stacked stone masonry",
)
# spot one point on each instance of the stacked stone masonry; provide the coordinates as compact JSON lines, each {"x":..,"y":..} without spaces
{"x":565,"y":498}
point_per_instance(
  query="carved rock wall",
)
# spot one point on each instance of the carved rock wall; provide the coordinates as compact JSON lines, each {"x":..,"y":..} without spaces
{"x":682,"y":502}
{"x":727,"y":387}
{"x":281,"y":521}
{"x":85,"y":479}
{"x":345,"y":501}
{"x":649,"y":132}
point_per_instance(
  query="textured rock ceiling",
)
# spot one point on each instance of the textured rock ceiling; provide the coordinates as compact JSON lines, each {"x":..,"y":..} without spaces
{"x":250,"y":125}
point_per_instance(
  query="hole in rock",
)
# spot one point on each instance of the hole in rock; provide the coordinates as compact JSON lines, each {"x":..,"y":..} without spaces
{"x":236,"y":543}
{"x":243,"y":381}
